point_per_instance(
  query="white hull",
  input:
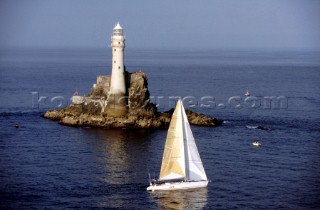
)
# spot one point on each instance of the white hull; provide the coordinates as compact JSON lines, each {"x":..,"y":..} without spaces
{"x":247,"y":93}
{"x":178,"y":185}
{"x":256,"y":143}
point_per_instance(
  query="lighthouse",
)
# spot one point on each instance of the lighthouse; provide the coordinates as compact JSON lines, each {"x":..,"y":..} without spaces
{"x":117,"y":101}
{"x":117,"y":76}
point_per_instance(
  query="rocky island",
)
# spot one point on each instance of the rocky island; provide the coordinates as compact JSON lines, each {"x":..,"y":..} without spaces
{"x":121,"y":100}
{"x":93,"y":111}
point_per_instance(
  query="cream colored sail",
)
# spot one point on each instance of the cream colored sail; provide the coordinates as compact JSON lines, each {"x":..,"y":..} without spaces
{"x":173,"y":161}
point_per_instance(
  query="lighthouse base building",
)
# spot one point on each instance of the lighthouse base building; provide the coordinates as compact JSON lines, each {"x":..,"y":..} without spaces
{"x":117,"y":105}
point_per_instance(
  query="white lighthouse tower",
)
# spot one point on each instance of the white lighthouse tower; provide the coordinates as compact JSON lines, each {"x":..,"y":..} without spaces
{"x":117,"y":100}
{"x":118,"y":85}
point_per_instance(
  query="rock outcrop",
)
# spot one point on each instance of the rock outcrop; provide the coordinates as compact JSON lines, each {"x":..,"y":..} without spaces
{"x":94,"y":110}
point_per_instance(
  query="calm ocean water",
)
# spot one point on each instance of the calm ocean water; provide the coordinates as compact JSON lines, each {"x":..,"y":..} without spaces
{"x":44,"y":165}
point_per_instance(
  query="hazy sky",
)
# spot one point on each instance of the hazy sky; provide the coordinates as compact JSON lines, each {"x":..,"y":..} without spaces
{"x":170,"y":24}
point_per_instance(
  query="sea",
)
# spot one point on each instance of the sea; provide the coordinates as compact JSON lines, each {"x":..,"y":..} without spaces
{"x":45,"y":165}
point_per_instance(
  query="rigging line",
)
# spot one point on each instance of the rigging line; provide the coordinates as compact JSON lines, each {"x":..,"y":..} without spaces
{"x":149,"y":175}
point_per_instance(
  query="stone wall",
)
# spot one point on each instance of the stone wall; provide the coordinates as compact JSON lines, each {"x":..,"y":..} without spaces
{"x":78,"y":99}
{"x":136,"y":102}
{"x":102,"y":87}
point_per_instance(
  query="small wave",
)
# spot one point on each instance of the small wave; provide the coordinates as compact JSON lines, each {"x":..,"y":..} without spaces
{"x":257,"y":127}
{"x":251,"y":126}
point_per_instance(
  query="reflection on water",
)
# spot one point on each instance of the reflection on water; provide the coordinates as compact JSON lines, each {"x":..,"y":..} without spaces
{"x":122,"y":158}
{"x":181,"y":199}
{"x":124,"y":153}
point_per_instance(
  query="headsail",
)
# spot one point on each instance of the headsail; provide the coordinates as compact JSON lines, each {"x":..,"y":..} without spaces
{"x":173,"y":161}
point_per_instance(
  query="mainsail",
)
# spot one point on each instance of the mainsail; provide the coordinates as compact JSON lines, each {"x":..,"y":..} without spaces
{"x":173,"y":161}
{"x":181,"y":159}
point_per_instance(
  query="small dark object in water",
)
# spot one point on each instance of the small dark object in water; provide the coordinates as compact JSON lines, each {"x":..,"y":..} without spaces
{"x":263,"y":128}
{"x":17,"y":125}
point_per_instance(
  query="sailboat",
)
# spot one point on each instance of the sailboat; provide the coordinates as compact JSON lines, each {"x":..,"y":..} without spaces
{"x":181,"y":166}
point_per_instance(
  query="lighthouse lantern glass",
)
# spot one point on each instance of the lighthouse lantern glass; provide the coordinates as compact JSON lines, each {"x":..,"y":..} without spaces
{"x":117,"y":32}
